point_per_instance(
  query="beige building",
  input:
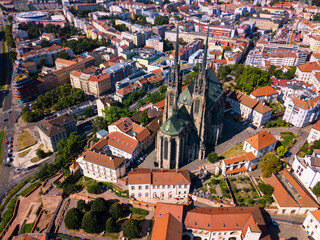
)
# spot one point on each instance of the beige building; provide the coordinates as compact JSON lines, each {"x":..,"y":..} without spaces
{"x":314,"y":133}
{"x":101,"y":167}
{"x":260,"y":144}
{"x":249,"y":109}
{"x":312,"y":224}
{"x":314,"y":42}
{"x":91,"y":84}
{"x":161,"y":184}
{"x":51,"y":131}
{"x":102,"y":103}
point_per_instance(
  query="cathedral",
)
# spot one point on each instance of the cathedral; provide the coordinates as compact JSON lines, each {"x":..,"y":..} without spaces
{"x":192,"y":118}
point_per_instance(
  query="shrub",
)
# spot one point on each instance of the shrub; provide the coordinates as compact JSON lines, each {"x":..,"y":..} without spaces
{"x":73,"y":218}
{"x":99,"y":205}
{"x":139,"y":211}
{"x":213,"y":157}
{"x":261,"y":203}
{"x":116,"y":211}
{"x":131,"y":228}
{"x":82,"y":206}
{"x":111,"y":226}
{"x":90,"y":222}
{"x":31,"y":187}
{"x":93,"y":187}
{"x":265,"y":189}
{"x":7,"y":214}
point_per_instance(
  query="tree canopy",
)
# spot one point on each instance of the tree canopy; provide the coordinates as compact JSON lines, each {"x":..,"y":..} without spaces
{"x":111,"y":226}
{"x":116,"y":211}
{"x":113,"y":113}
{"x":99,"y":123}
{"x":93,"y":187}
{"x":160,"y":20}
{"x":144,"y":119}
{"x":131,"y":228}
{"x":270,"y":163}
{"x":90,"y":222}
{"x":73,"y":218}
{"x":266,"y":189}
{"x":316,"y":189}
{"x":99,"y":205}
{"x":213,"y":157}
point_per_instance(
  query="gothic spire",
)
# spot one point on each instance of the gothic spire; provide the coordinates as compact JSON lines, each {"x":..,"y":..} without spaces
{"x":204,"y":63}
{"x":177,"y":47}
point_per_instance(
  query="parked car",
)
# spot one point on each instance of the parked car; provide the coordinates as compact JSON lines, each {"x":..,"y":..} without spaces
{"x":6,"y":142}
{"x":274,"y":223}
{"x":7,"y":164}
{"x":6,"y":119}
{"x":8,"y":160}
{"x":288,"y":154}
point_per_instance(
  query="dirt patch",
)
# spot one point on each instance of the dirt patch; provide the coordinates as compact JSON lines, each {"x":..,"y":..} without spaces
{"x":25,"y":140}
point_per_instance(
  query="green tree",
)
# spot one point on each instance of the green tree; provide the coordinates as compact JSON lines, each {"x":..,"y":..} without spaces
{"x":90,"y":222}
{"x":93,"y":187}
{"x":144,"y":119}
{"x":281,"y":151}
{"x":315,"y":145}
{"x":265,"y":189}
{"x":89,"y":112}
{"x":160,"y":20}
{"x":99,"y":205}
{"x":73,"y":218}
{"x":116,"y":211}
{"x":45,"y":43}
{"x":42,"y":62}
{"x":63,"y":55}
{"x":223,"y":72}
{"x":131,"y":228}
{"x":113,"y":113}
{"x":41,"y":154}
{"x":81,"y":205}
{"x":99,"y":123}
{"x":213,"y":157}
{"x":111,"y":226}
{"x":270,"y":163}
{"x":316,"y":189}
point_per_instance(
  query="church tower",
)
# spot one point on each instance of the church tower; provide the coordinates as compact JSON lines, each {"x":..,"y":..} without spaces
{"x":174,"y":85}
{"x":199,"y":99}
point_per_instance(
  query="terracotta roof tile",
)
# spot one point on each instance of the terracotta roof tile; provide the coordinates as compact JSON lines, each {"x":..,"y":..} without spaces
{"x":245,"y":157}
{"x":166,"y":227}
{"x":264,"y":91}
{"x":108,"y":161}
{"x":159,"y":176}
{"x":122,"y":142}
{"x":261,"y":140}
{"x":309,"y":67}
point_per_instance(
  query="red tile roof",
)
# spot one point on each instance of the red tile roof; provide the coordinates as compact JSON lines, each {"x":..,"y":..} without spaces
{"x":166,"y":227}
{"x":122,"y":142}
{"x":264,"y":91}
{"x":309,"y":67}
{"x":236,"y":170}
{"x":261,"y":140}
{"x":108,"y":161}
{"x":159,"y":176}
{"x":245,"y":157}
{"x":316,"y":126}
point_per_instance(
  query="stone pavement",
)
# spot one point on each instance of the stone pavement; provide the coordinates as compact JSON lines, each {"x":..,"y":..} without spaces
{"x":146,"y":224}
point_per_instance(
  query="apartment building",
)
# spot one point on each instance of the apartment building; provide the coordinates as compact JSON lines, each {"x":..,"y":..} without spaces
{"x":305,"y":71}
{"x":186,"y":51}
{"x":260,"y":144}
{"x":120,"y":71}
{"x":174,"y":221}
{"x":311,"y":224}
{"x":239,"y":164}
{"x":94,"y":83}
{"x":132,"y":130}
{"x":266,"y":93}
{"x":155,"y":42}
{"x":302,"y":112}
{"x":101,"y":167}
{"x":287,"y":203}
{"x":307,"y":169}
{"x":314,"y":42}
{"x":164,"y":184}
{"x":51,"y":131}
{"x":249,"y":109}
{"x":314,"y":132}
{"x":50,"y":54}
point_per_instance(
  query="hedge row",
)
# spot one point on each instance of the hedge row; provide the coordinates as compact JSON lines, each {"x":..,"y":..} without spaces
{"x":30,"y":188}
{"x":7,"y":214}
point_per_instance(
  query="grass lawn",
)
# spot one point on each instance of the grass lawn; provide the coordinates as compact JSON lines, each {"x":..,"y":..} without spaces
{"x":2,"y":135}
{"x":34,"y":160}
{"x":277,"y":106}
{"x":304,"y":150}
{"x":288,"y":139}
{"x":26,"y":228}
{"x":138,"y":217}
{"x":243,"y":190}
{"x":24,"y":153}
{"x":25,"y":140}
{"x":111,"y":235}
{"x":236,"y":150}
{"x":4,"y":77}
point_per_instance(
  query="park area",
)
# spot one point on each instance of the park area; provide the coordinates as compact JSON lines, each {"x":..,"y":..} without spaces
{"x":25,"y":140}
{"x":236,"y":150}
{"x":288,"y":139}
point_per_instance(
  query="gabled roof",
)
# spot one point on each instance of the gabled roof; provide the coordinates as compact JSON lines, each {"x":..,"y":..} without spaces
{"x":53,"y":126}
{"x":309,"y":67}
{"x":166,"y":227}
{"x":245,"y":157}
{"x":108,"y":161}
{"x":159,"y":176}
{"x":264,"y":91}
{"x":122,"y":141}
{"x":316,"y":126}
{"x":261,"y":140}
{"x":316,"y":214}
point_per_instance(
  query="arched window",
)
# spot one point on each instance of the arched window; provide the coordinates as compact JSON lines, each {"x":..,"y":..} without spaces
{"x":165,"y":155}
{"x":196,"y":106}
{"x":155,"y":195}
{"x":170,"y":195}
{"x":140,"y":195}
{"x":147,"y":195}
{"x":171,"y":100}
